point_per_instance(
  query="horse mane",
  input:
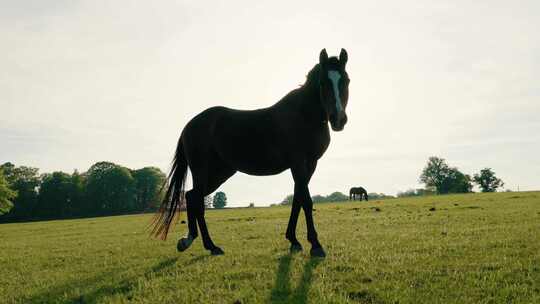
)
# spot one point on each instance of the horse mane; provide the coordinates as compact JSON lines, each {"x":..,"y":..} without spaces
{"x":312,"y":78}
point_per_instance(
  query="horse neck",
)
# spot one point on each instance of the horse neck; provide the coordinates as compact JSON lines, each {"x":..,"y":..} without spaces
{"x":310,"y":103}
{"x":305,"y":100}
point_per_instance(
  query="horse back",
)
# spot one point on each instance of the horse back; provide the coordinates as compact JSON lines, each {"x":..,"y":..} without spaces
{"x":246,"y":141}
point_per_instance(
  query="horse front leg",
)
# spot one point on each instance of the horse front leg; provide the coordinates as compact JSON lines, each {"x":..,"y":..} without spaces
{"x":291,"y":227}
{"x":302,"y":174}
{"x":307,"y":204}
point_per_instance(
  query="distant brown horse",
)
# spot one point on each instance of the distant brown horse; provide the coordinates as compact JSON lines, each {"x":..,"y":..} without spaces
{"x":361,"y":192}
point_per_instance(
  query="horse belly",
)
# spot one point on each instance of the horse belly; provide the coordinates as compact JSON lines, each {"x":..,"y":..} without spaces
{"x":259,"y":161}
{"x":247,"y":142}
{"x":263,"y":171}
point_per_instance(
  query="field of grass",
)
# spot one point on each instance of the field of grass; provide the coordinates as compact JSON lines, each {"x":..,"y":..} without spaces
{"x":476,"y":248}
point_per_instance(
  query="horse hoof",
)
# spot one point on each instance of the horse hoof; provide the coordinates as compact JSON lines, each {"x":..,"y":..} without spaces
{"x":317,"y":252}
{"x":296,"y":248}
{"x":217,"y":251}
{"x":183,"y":244}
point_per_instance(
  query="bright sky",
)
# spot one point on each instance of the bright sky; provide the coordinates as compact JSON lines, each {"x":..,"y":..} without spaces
{"x":86,"y":81}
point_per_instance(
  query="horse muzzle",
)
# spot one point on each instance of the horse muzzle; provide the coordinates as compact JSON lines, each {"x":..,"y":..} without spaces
{"x":338,"y":122}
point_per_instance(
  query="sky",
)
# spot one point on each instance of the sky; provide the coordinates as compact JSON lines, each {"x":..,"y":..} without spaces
{"x":89,"y":81}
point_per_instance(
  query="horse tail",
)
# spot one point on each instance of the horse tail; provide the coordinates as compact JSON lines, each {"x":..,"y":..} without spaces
{"x":174,"y":198}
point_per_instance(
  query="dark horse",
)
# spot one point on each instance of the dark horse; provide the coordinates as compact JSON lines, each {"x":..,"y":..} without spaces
{"x":291,"y":134}
{"x":358,"y":191}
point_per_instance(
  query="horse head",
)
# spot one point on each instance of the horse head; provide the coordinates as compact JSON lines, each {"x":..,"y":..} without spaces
{"x":334,"y":88}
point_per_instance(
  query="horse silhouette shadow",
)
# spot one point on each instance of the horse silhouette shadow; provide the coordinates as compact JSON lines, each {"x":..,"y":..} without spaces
{"x":123,"y":288}
{"x":282,"y":292}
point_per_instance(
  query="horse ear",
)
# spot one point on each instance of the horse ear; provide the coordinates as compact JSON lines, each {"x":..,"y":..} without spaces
{"x":343,"y":57}
{"x":323,"y":57}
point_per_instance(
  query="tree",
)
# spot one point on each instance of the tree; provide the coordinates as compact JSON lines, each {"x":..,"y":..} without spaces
{"x":456,"y":182}
{"x":318,"y":198}
{"x":337,"y":197}
{"x":438,"y":175}
{"x":6,"y":194}
{"x":55,"y":195}
{"x":110,"y":189}
{"x":288,"y":200}
{"x":220,"y":200}
{"x":435,"y":173}
{"x":148,"y":184}
{"x":333,"y":197}
{"x":208,"y":201}
{"x":25,"y":181}
{"x":78,"y":188}
{"x":60,"y":195}
{"x":487,"y":181}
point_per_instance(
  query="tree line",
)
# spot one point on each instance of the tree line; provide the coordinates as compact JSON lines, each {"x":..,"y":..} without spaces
{"x":333,"y":197}
{"x":109,"y":189}
{"x":105,"y":189}
{"x":440,"y":178}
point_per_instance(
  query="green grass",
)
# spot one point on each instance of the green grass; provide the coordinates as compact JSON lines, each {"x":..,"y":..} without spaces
{"x":477,"y":248}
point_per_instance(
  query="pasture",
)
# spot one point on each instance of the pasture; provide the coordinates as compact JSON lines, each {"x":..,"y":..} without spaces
{"x":474,"y":248}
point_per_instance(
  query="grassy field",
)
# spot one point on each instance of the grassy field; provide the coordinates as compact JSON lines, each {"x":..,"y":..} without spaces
{"x":477,"y":248}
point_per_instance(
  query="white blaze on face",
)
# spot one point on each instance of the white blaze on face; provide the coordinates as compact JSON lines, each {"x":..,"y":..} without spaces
{"x":334,"y":76}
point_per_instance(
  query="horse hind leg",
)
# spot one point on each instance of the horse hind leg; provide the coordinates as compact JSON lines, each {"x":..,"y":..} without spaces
{"x":185,"y":242}
{"x":195,"y":198}
{"x":206,"y":181}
